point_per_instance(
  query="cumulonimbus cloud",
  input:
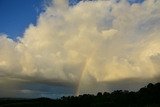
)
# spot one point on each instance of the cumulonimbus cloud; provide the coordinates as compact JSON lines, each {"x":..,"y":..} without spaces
{"x":99,"y":41}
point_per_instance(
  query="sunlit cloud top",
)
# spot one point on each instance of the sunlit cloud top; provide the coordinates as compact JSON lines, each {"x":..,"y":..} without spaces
{"x":93,"y":42}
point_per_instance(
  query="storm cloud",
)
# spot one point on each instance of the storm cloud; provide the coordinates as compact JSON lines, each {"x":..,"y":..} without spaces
{"x":86,"y":46}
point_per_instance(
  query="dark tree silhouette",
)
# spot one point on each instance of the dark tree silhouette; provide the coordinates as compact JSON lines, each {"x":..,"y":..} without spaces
{"x":148,"y":96}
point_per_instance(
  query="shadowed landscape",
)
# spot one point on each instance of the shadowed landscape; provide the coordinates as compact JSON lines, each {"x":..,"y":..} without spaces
{"x":148,"y":96}
{"x":79,"y":53}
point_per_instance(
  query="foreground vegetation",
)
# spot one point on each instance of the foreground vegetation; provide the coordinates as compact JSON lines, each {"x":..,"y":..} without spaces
{"x":148,"y":96}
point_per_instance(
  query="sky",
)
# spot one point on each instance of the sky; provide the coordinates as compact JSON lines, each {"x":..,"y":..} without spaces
{"x":12,"y":14}
{"x":55,"y":48}
{"x":16,"y":15}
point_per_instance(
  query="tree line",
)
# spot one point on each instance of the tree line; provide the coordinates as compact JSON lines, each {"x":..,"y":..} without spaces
{"x":148,"y":96}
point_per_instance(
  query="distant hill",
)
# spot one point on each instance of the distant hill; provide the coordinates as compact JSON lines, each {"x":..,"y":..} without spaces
{"x":148,"y":96}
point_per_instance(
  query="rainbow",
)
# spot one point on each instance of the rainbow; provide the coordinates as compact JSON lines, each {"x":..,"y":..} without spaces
{"x":87,"y":62}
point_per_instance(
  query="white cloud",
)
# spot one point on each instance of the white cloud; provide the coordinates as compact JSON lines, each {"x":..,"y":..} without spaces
{"x":105,"y":40}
